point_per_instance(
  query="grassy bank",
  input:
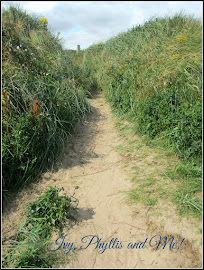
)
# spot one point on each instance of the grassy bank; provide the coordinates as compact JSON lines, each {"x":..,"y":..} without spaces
{"x":152,"y":76}
{"x":43,"y":97}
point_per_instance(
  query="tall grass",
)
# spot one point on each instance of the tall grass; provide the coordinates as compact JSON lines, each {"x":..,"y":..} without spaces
{"x":152,"y":76}
{"x":43,"y":97}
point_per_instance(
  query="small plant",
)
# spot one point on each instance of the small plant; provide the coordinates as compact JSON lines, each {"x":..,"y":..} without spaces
{"x":49,"y":212}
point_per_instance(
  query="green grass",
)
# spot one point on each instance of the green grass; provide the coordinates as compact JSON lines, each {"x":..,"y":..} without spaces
{"x":44,"y":95}
{"x":50,"y":212}
{"x":152,"y":77}
{"x":157,"y":174}
{"x":29,"y":253}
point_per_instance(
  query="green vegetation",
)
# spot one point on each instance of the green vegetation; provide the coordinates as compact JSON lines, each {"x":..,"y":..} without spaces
{"x":152,"y":77}
{"x":43,"y":97}
{"x":158,"y":175}
{"x":49,"y":212}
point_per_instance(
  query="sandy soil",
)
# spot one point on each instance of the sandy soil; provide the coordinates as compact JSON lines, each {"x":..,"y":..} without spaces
{"x":93,"y":165}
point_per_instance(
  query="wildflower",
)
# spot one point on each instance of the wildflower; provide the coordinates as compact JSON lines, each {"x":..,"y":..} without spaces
{"x":136,"y":69}
{"x":190,"y":104}
{"x":174,"y":56}
{"x":116,"y":74}
{"x":17,"y":47}
{"x":125,"y":64}
{"x":198,"y":98}
{"x":140,"y":113}
{"x":20,"y":45}
{"x":26,"y":50}
{"x":58,"y":32}
{"x":44,"y":20}
{"x":194,"y":55}
{"x":182,"y":38}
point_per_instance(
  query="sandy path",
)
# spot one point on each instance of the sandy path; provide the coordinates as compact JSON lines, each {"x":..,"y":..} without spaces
{"x":92,"y":163}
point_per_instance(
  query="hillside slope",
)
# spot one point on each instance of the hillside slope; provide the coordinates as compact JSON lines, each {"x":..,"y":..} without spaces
{"x":43,"y":97}
{"x":153,"y":75}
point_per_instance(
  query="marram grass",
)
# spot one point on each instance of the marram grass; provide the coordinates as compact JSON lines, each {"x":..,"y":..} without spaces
{"x":152,"y":76}
{"x":43,"y":97}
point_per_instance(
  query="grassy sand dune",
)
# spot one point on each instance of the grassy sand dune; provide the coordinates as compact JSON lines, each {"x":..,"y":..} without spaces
{"x":127,"y":176}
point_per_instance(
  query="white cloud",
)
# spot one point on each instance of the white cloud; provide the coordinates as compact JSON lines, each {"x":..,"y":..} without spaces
{"x":34,"y":6}
{"x":88,"y":22}
{"x":39,"y":6}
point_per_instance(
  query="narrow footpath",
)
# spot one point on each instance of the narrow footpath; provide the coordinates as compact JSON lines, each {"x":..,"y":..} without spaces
{"x":92,"y":164}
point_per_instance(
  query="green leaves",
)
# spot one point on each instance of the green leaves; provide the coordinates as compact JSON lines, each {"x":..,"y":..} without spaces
{"x":51,"y":210}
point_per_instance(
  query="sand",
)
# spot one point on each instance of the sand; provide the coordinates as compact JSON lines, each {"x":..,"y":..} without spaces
{"x":123,"y":235}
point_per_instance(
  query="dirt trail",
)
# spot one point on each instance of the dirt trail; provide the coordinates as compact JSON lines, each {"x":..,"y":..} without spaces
{"x":92,"y":163}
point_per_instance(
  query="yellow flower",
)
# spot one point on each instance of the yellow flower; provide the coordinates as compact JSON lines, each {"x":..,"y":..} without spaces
{"x":125,"y":64}
{"x":198,"y":98}
{"x":194,"y":55}
{"x":58,"y":32}
{"x":140,"y":113}
{"x":182,"y":38}
{"x":136,"y":69}
{"x":116,"y":74}
{"x":190,"y":104}
{"x":44,"y":20}
{"x":174,"y":56}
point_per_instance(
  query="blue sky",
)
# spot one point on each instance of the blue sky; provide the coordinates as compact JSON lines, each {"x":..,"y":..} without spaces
{"x":89,"y":22}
